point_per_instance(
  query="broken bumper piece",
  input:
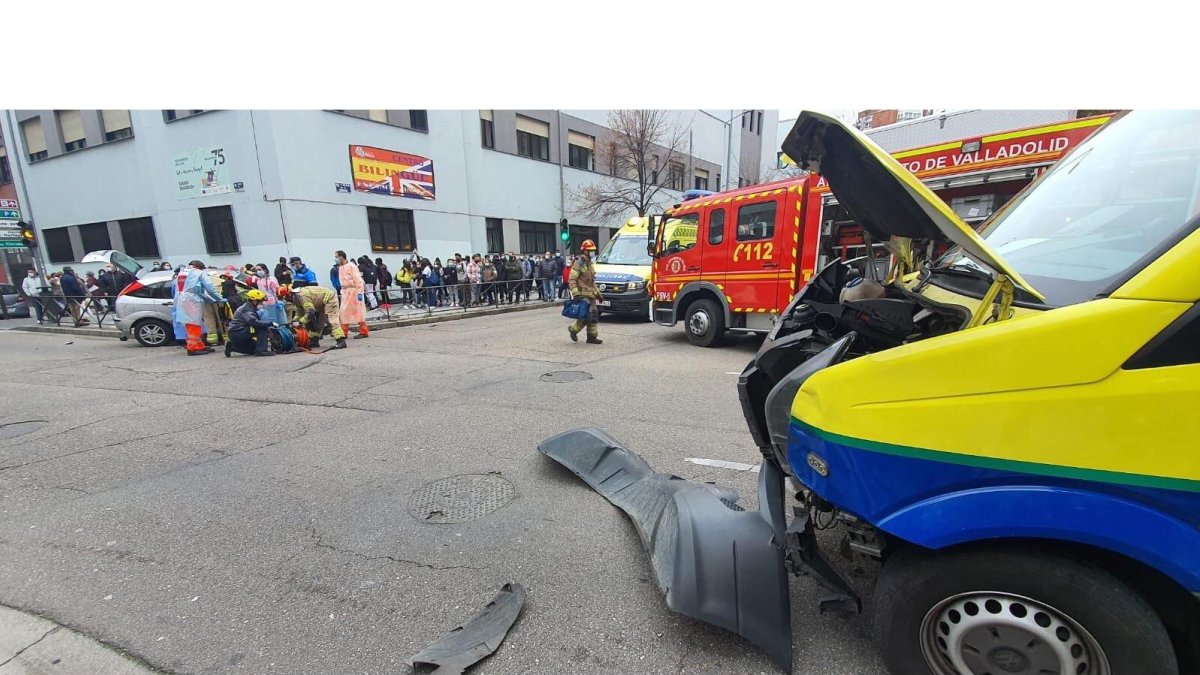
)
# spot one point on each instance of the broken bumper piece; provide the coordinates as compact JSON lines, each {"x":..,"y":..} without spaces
{"x":713,"y":560}
{"x":478,"y":637}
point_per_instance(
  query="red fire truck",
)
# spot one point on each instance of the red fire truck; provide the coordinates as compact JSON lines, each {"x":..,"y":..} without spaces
{"x":756,"y":246}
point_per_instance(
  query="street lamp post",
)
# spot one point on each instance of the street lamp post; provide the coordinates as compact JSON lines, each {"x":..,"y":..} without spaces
{"x":728,"y":140}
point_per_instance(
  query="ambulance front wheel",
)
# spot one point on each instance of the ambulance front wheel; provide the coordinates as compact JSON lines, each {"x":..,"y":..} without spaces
{"x":1013,"y":611}
{"x":704,"y":323}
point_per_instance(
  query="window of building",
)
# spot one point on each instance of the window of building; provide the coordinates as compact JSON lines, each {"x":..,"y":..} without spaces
{"x":581,"y":150}
{"x":756,"y":221}
{"x":716,"y":226}
{"x":377,"y":116}
{"x":700,"y":179}
{"x":487,"y":129}
{"x":675,"y":176}
{"x":533,"y":138}
{"x":743,"y":120}
{"x":138,"y":235}
{"x":220,"y":235}
{"x":35,"y":139}
{"x":70,"y":123}
{"x":116,"y":124}
{"x":172,"y":115}
{"x":718,"y":185}
{"x":495,"y":235}
{"x":94,"y":237}
{"x":536,"y":237}
{"x":418,"y":119}
{"x":392,"y":230}
{"x":58,"y":245}
{"x":760,"y":123}
{"x":5,"y":171}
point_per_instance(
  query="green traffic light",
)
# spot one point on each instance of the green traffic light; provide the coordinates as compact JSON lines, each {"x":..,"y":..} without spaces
{"x":565,"y":236}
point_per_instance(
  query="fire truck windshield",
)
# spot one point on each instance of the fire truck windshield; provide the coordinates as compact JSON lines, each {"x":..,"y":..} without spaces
{"x":1125,"y":191}
{"x":625,"y":249}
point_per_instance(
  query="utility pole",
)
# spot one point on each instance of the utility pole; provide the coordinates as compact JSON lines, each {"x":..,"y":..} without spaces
{"x":26,"y":206}
{"x":728,"y":142}
{"x":728,"y":150}
{"x":562,"y":205}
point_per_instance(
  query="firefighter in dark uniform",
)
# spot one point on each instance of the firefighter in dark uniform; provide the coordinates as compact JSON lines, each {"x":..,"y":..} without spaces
{"x":582,"y":284}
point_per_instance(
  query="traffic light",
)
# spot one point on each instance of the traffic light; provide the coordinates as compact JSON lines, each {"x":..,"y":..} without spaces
{"x":28,"y":236}
{"x":564,"y":230}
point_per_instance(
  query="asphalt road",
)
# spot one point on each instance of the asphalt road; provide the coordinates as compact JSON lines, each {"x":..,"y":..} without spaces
{"x":206,"y":514}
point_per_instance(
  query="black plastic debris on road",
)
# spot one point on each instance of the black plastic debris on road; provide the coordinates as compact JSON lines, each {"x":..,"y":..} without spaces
{"x":476,"y":639}
{"x":566,"y":376}
{"x":712,"y":560}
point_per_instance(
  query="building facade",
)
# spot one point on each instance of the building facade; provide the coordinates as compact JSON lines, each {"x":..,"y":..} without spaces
{"x":14,"y":260}
{"x":872,"y":119}
{"x":228,"y":186}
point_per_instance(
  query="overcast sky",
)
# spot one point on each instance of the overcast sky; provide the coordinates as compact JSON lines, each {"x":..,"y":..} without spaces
{"x":844,"y":115}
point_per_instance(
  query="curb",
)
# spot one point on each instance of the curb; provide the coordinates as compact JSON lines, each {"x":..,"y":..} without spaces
{"x":455,"y":316}
{"x":373,"y":325}
{"x":68,"y":330}
{"x":30,"y":644}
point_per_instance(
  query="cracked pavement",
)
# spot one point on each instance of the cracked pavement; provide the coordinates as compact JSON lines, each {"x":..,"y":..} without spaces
{"x":250,"y":515}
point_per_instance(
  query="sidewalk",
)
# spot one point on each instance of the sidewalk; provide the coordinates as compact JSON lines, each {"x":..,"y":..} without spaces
{"x":31,"y":645}
{"x":376,"y":319}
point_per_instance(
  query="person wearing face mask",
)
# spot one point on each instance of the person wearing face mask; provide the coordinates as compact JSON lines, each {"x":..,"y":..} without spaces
{"x":548,"y":275}
{"x":283,"y":275}
{"x":31,"y":286}
{"x":512,"y":277}
{"x":473,"y":270}
{"x":301,"y":275}
{"x":582,"y":283}
{"x":194,"y":291}
{"x":270,"y":288}
{"x":352,"y":309}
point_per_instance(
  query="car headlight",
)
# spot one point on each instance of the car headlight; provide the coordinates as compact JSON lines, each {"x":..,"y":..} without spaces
{"x":635,"y":285}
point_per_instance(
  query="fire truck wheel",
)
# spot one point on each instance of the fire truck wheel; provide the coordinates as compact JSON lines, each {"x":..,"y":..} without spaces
{"x":995,"y":611}
{"x":705,"y":323}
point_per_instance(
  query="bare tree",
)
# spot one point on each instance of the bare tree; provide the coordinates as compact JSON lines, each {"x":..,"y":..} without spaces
{"x":642,"y":149}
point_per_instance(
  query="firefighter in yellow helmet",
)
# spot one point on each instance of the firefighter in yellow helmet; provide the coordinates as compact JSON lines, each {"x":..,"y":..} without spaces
{"x":247,"y":329}
{"x":582,"y":284}
{"x":315,"y":306}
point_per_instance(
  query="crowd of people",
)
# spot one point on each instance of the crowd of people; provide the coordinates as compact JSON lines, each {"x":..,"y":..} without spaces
{"x":248,"y":302}
{"x":71,"y":293}
{"x":245,"y":303}
{"x":462,"y":281}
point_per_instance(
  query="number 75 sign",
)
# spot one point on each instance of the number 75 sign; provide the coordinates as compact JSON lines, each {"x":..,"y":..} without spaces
{"x":201,"y":172}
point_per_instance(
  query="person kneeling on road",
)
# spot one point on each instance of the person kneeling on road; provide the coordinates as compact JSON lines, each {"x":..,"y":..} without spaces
{"x":582,"y":283}
{"x":248,"y":332}
{"x":315,"y":308}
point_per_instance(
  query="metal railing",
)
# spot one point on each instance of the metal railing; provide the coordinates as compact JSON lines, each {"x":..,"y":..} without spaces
{"x":398,"y":302}
{"x":77,"y":310}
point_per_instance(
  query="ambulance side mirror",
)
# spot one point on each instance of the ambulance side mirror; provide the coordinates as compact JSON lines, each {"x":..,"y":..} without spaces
{"x":651,"y":235}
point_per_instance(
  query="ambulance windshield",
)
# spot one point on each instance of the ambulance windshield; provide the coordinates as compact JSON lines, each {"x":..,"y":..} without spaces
{"x":625,"y":249}
{"x":1088,"y":223}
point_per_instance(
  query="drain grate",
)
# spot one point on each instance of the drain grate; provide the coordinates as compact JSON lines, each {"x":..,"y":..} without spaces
{"x":458,"y":499}
{"x":14,"y":429}
{"x":564,"y":376}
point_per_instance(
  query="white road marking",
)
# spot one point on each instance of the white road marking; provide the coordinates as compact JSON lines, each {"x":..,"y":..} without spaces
{"x":722,"y":464}
{"x":735,"y":372}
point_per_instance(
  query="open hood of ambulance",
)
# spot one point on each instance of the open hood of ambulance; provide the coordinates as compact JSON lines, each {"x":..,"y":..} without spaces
{"x":881,"y":195}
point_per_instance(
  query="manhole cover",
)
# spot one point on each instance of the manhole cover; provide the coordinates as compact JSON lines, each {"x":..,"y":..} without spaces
{"x":14,"y":429}
{"x":458,"y":499}
{"x":566,"y":376}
